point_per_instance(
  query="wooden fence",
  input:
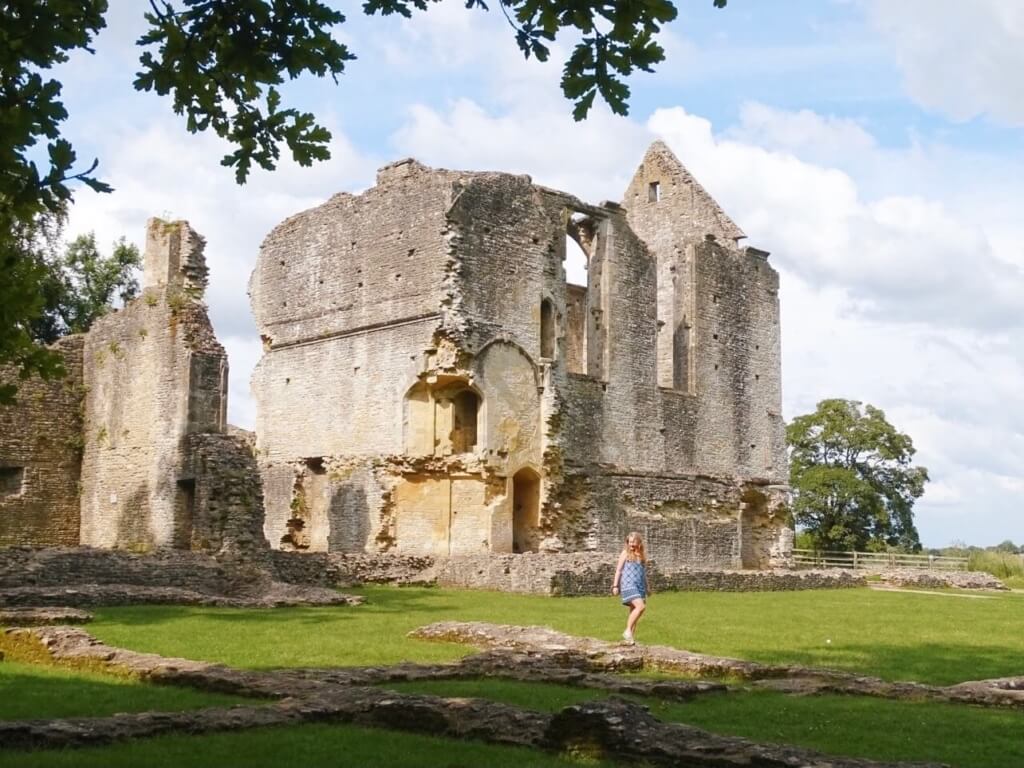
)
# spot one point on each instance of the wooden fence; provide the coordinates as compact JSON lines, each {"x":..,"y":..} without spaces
{"x":875,"y":561}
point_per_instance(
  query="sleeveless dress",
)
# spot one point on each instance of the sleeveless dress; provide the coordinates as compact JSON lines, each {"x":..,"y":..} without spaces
{"x":633,"y":582}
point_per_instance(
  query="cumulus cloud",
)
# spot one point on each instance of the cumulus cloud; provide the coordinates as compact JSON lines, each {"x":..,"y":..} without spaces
{"x":157,"y":169}
{"x":960,"y":58}
{"x":900,"y":257}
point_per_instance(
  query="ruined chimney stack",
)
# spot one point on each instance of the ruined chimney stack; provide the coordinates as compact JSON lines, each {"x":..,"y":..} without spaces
{"x":174,"y":256}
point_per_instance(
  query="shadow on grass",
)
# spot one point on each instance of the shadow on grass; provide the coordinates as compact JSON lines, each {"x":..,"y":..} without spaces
{"x":27,"y":693}
{"x":378,"y":601}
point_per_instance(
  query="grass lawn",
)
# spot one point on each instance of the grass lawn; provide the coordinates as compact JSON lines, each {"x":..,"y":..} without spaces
{"x":970,"y":737}
{"x":309,"y":746}
{"x":902,"y":636}
{"x":33,"y":690}
{"x":897,"y":636}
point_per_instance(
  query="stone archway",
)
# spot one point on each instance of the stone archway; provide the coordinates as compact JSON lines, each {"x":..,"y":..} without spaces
{"x":525,"y":510}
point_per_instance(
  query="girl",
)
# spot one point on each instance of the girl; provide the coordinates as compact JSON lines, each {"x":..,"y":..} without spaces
{"x":631,"y":574}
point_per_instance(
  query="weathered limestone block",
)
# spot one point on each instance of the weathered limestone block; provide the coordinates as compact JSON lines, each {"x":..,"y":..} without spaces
{"x":227,"y":498}
{"x":41,"y":455}
{"x":154,"y":372}
{"x":941,"y":579}
{"x":26,"y":617}
{"x":93,"y":577}
{"x":434,"y":383}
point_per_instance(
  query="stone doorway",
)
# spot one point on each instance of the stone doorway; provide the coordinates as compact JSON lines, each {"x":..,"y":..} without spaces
{"x":525,"y":510}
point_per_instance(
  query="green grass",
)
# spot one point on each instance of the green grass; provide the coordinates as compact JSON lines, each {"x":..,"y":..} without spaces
{"x":1002,"y":565}
{"x":31,"y":691}
{"x":309,"y":746}
{"x":880,"y":729}
{"x":894,"y":635}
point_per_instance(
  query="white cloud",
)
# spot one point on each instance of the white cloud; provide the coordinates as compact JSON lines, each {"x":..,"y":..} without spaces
{"x":961,"y":58}
{"x":157,"y":169}
{"x":900,"y":257}
{"x":594,"y":159}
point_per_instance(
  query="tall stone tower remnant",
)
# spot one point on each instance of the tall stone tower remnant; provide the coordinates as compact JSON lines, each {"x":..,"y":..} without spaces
{"x":433,"y":383}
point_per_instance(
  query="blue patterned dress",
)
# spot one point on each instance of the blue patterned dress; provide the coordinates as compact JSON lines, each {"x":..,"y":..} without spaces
{"x":633,"y":582}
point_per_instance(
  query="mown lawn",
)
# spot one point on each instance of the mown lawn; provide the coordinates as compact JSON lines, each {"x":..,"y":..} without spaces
{"x":32,"y":690}
{"x":931,"y":638}
{"x":306,"y":746}
{"x":880,"y":729}
{"x":935,"y":638}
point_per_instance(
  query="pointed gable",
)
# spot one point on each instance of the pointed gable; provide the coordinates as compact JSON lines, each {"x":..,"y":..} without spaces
{"x":663,"y":181}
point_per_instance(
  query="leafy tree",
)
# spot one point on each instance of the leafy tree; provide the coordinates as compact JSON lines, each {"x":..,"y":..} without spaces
{"x":81,"y":285}
{"x":1006,"y":546}
{"x":222,"y":62}
{"x":853,"y":483}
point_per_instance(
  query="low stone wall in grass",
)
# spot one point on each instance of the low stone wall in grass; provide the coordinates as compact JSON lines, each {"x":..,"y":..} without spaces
{"x":169,"y":576}
{"x":83,"y":576}
{"x":344,"y":570}
{"x":200,"y":572}
{"x":580,"y":574}
{"x":907,"y":577}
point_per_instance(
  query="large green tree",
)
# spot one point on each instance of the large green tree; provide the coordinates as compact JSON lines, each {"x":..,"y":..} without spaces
{"x":82,"y":284}
{"x":222,"y":62}
{"x":853,"y":482}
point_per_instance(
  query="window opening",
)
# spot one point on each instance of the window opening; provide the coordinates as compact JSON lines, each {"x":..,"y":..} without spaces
{"x":547,"y":329}
{"x":579,"y":237}
{"x":464,"y":418}
{"x":654,"y":192}
{"x":11,"y":481}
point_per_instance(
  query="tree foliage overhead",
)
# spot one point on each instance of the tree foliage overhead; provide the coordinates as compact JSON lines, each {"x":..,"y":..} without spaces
{"x":853,"y":483}
{"x":81,"y":285}
{"x":222,"y":63}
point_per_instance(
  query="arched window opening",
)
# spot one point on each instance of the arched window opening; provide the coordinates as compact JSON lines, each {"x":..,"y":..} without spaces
{"x":578,"y":235}
{"x":465,"y":406}
{"x":547,"y":329}
{"x":525,"y":510}
{"x":575,"y":262}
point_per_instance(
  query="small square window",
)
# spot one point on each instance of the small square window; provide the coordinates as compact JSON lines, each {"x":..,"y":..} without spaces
{"x":11,"y":481}
{"x":654,"y":192}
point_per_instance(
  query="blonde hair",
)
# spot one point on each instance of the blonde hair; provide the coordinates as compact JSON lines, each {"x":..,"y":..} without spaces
{"x":641,"y":551}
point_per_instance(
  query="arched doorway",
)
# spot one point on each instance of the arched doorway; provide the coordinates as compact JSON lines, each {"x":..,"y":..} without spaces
{"x":753,"y":512}
{"x":525,"y":510}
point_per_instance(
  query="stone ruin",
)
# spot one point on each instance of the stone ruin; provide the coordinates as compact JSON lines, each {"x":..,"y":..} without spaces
{"x":130,"y":450}
{"x":432,"y":384}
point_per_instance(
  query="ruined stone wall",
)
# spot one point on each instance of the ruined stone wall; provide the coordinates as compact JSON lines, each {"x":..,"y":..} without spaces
{"x":64,"y":566}
{"x":356,"y":263}
{"x":359,"y":430}
{"x":718,"y":344}
{"x":153,"y":373}
{"x":578,"y":429}
{"x":348,"y":298}
{"x":578,"y":574}
{"x":224,"y":495}
{"x":40,"y":456}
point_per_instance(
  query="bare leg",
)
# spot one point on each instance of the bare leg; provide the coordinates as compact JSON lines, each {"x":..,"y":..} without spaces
{"x":638,"y":608}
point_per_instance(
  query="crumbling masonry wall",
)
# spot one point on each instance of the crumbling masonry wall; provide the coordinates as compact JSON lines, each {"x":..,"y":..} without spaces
{"x":41,"y":454}
{"x":432,"y":384}
{"x":128,"y":450}
{"x":154,"y":373}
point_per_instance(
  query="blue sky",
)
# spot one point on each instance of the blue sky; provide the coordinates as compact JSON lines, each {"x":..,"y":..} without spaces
{"x":874,"y":147}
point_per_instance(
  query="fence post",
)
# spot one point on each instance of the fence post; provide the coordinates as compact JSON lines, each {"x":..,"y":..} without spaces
{"x":855,"y":560}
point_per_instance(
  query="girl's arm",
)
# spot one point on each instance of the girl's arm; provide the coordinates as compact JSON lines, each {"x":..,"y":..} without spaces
{"x":618,"y":571}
